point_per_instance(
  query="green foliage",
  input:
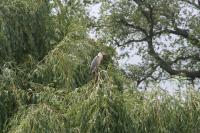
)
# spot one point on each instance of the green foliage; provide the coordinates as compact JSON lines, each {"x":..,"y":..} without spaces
{"x":41,"y":118}
{"x":68,"y":64}
{"x":8,"y":105}
{"x":70,"y":19}
{"x":101,"y":107}
{"x":45,"y":84}
{"x":33,"y":27}
{"x":27,"y":29}
{"x":160,"y":112}
{"x":91,"y":108}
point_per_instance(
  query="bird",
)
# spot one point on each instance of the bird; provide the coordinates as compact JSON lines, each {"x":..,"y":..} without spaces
{"x":95,"y":63}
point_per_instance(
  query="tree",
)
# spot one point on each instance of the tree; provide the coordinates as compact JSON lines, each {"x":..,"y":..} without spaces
{"x":164,"y":33}
{"x":32,"y":28}
{"x":26,"y":29}
{"x":45,"y":85}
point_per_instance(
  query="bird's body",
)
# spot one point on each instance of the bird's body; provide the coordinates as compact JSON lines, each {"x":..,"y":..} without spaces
{"x":96,"y":62}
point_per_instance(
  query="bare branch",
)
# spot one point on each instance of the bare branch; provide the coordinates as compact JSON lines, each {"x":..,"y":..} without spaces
{"x":194,"y":57}
{"x":162,"y":63}
{"x":133,"y":40}
{"x":181,"y":32}
{"x":193,"y":3}
{"x":147,"y":75}
{"x":124,"y":22}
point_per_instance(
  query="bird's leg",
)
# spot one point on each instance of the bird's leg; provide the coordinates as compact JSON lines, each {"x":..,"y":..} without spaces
{"x":96,"y":76}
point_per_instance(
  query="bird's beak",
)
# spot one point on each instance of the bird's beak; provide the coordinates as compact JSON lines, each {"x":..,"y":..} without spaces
{"x":103,"y":53}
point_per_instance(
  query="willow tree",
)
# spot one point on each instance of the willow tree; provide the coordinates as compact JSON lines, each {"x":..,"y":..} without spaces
{"x":35,"y":27}
{"x":164,"y":33}
{"x":27,"y":29}
{"x":29,"y":34}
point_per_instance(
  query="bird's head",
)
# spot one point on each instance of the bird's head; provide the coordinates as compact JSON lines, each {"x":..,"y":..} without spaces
{"x":101,"y":54}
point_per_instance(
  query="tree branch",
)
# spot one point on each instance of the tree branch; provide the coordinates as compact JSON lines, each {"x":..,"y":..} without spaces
{"x":183,"y":33}
{"x":133,"y":40}
{"x":192,"y":3}
{"x":194,"y":57}
{"x":147,"y":75}
{"x":124,"y":22}
{"x":165,"y":65}
{"x":130,"y":41}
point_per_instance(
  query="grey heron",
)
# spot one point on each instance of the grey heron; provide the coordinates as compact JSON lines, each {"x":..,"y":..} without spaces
{"x":95,"y":63}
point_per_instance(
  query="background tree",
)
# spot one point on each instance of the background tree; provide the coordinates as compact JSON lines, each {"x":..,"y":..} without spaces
{"x":164,"y":33}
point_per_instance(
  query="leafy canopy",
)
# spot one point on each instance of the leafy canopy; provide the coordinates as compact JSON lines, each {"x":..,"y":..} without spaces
{"x":164,"y":33}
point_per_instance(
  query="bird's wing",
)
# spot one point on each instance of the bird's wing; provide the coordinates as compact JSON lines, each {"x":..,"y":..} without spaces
{"x":94,"y":64}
